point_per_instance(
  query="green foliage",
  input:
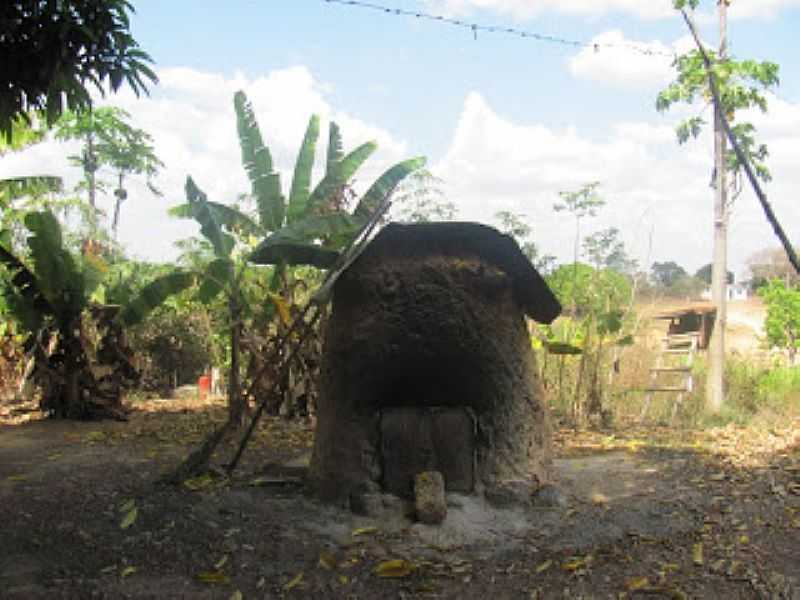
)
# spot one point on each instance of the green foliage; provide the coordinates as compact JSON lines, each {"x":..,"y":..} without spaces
{"x":172,"y":347}
{"x":109,"y":140}
{"x":740,"y":83}
{"x":209,"y":220}
{"x":755,"y":393}
{"x":384,"y":186}
{"x":782,"y":324}
{"x":607,"y":251}
{"x":581,"y":203}
{"x":257,"y":162}
{"x":584,"y":289}
{"x":50,"y":294}
{"x":154,"y":294}
{"x":52,"y":52}
{"x":307,"y":229}
{"x":15,"y":189}
{"x":594,"y":327}
{"x":25,"y":131}
{"x":666,"y":274}
{"x":301,"y":182}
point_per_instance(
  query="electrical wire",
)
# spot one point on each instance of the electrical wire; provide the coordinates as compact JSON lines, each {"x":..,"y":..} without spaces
{"x":475,"y":28}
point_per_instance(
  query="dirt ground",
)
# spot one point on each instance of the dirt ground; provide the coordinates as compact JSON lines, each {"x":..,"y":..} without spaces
{"x":653,"y":513}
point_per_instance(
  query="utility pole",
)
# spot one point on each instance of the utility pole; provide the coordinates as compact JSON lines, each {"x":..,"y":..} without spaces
{"x":715,"y":393}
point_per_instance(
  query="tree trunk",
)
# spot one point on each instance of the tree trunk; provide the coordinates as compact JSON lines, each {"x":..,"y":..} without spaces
{"x":715,"y":393}
{"x":90,"y":164}
{"x":119,"y":196}
{"x":235,"y":400}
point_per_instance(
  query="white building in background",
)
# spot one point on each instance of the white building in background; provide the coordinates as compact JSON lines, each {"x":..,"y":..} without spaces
{"x":736,"y":291}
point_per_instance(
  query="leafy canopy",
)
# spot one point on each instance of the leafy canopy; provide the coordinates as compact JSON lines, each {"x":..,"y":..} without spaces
{"x":782,"y":323}
{"x":53,"y":51}
{"x":741,"y":85}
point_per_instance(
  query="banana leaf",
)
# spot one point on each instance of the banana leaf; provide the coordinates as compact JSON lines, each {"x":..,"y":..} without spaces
{"x":385,"y":185}
{"x":338,"y":175}
{"x":227,"y":217}
{"x":209,"y":224}
{"x":294,"y":253}
{"x":310,"y":229}
{"x":53,"y":266}
{"x":19,"y":187}
{"x":23,"y":296}
{"x":335,"y":151}
{"x":154,"y":294}
{"x":218,"y":274}
{"x":301,"y":182}
{"x":257,"y":162}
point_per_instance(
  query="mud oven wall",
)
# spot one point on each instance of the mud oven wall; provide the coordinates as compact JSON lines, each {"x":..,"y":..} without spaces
{"x":428,"y":366}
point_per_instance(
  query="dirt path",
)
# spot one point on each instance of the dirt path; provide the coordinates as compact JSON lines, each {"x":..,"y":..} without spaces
{"x":656,"y":515}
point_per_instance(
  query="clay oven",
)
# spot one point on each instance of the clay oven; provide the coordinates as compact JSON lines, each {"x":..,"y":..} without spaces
{"x":428,"y":365}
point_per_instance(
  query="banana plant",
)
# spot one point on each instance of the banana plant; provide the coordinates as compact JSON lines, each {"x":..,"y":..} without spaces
{"x":223,"y":274}
{"x":309,"y":226}
{"x":50,"y":295}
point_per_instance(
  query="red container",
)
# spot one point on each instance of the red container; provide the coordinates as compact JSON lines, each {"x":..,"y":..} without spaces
{"x":204,"y":386}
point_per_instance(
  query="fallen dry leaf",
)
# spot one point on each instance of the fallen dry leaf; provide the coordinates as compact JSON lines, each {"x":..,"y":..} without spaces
{"x":294,"y":582}
{"x":130,"y":518}
{"x":636,"y":583}
{"x":697,"y":554}
{"x":212,"y":577}
{"x":127,"y":571}
{"x":395,"y":568}
{"x":327,"y":561}
{"x":542,"y":567}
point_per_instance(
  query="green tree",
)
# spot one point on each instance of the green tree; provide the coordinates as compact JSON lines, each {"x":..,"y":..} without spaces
{"x":739,"y":85}
{"x":666,"y":274}
{"x":599,"y":318}
{"x":580,"y":203}
{"x":54,"y":51}
{"x":109,"y":140}
{"x":782,"y":323}
{"x":607,"y":251}
{"x":128,"y":151}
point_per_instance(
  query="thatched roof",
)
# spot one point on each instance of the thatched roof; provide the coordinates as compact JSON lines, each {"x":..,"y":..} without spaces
{"x":461,"y":240}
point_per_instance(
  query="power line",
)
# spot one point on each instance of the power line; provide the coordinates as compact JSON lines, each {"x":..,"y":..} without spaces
{"x":475,"y":28}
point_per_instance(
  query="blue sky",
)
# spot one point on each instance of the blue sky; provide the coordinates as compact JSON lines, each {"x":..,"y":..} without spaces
{"x":506,"y":122}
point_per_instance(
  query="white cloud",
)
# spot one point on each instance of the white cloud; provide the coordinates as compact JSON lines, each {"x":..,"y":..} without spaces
{"x":653,"y":186}
{"x":645,"y":9}
{"x":613,"y":59}
{"x":760,"y":9}
{"x":191,"y":118}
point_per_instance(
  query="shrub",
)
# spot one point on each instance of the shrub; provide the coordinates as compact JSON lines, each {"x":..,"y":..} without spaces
{"x":172,"y":348}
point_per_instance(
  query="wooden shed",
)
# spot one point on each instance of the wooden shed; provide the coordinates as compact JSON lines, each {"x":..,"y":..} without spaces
{"x":695,"y":318}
